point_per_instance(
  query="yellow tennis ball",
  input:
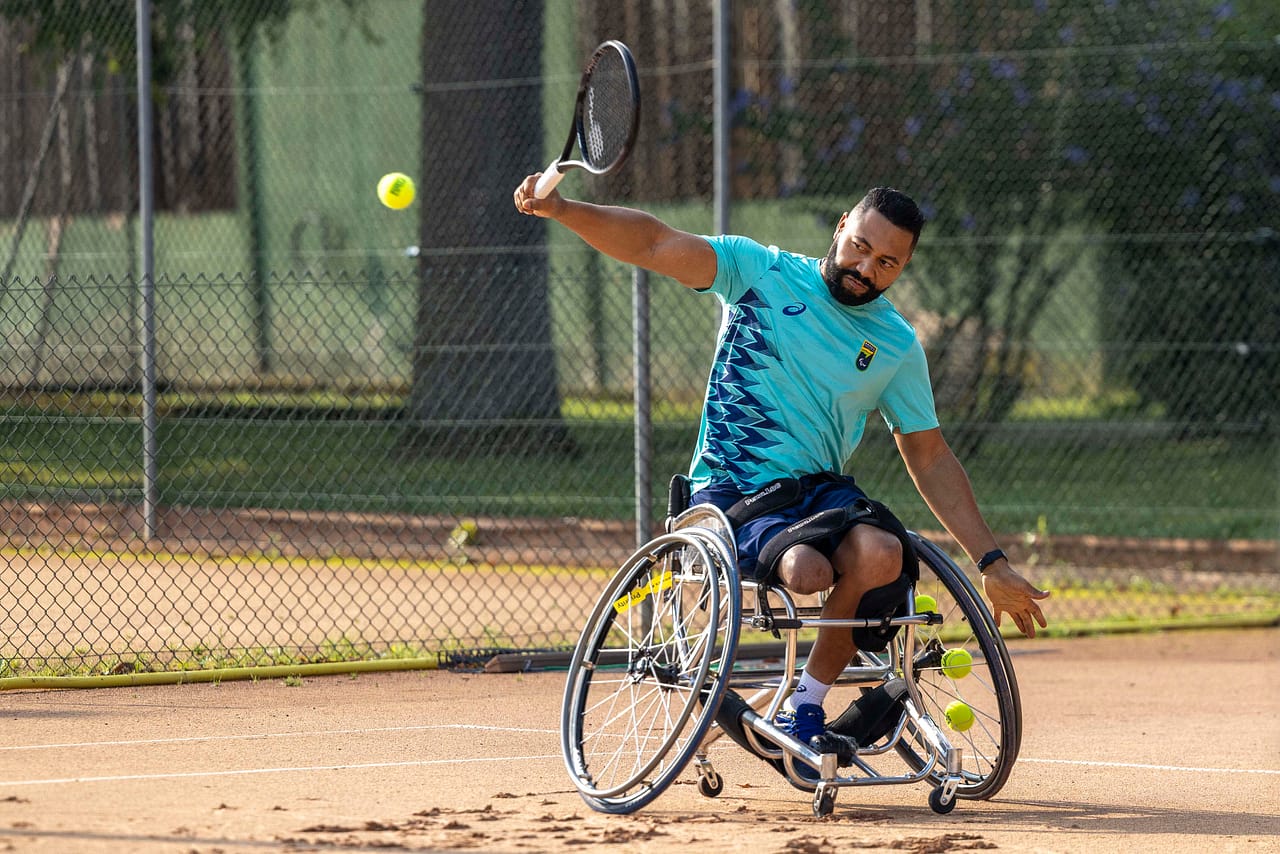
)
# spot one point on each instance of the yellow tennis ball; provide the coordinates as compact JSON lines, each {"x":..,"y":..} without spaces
{"x":396,"y":190}
{"x":959,"y":715}
{"x":957,"y":663}
{"x":925,"y":602}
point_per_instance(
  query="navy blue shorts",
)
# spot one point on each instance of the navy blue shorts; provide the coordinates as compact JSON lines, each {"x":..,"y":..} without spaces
{"x":753,"y":534}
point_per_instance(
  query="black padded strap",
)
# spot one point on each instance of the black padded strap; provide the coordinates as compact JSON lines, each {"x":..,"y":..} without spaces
{"x":774,"y":496}
{"x":835,"y":521}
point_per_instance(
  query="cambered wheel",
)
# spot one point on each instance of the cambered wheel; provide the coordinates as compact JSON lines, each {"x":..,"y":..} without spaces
{"x":650,"y":670}
{"x":991,"y":744}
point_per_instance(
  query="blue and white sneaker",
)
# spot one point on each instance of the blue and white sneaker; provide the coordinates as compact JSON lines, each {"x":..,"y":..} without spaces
{"x":806,"y":722}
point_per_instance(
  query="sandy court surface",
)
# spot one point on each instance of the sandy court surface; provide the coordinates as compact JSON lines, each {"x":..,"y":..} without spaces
{"x":1139,"y":743}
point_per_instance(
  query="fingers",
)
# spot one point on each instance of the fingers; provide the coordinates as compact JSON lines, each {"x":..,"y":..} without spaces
{"x":529,"y":204}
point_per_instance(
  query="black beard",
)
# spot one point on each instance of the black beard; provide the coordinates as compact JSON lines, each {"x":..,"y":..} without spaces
{"x":834,"y":278}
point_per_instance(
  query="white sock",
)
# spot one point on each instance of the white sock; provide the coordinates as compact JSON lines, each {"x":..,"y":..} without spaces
{"x":809,"y":691}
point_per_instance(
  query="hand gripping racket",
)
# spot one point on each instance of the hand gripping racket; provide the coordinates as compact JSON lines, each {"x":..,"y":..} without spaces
{"x":605,"y":117}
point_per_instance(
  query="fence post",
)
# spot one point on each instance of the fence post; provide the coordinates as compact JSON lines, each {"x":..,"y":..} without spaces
{"x":722,"y":25}
{"x":643,"y":416}
{"x":146,"y":285}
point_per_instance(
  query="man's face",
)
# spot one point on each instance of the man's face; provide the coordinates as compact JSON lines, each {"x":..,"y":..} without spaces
{"x":866,"y":257}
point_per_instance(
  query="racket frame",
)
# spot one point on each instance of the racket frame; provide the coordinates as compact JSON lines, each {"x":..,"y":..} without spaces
{"x":555,"y":171}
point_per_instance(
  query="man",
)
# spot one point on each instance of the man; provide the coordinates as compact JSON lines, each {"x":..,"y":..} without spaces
{"x":809,"y":349}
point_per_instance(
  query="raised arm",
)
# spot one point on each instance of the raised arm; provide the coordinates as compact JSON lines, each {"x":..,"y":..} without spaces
{"x":631,"y":236}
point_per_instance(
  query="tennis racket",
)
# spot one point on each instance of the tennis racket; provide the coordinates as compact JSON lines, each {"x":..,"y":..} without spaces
{"x":606,"y":117}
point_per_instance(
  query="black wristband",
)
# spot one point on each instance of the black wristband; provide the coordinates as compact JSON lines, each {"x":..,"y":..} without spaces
{"x":989,"y":558}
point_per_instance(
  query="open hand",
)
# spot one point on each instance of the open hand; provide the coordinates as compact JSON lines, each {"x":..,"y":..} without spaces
{"x":1010,"y":593}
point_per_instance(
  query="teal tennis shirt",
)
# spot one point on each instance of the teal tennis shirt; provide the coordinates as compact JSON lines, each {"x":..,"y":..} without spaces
{"x":796,"y":373}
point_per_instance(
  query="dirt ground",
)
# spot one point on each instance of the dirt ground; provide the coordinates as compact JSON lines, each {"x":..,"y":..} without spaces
{"x":1162,"y":742}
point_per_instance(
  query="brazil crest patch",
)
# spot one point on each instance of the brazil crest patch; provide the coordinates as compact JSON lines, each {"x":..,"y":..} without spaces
{"x":865,"y":355}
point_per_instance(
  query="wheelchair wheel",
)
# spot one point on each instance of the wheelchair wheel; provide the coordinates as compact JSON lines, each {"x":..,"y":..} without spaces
{"x":989,"y":688}
{"x":650,"y":670}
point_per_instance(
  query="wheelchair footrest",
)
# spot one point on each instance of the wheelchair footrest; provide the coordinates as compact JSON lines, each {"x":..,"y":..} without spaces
{"x":868,"y":719}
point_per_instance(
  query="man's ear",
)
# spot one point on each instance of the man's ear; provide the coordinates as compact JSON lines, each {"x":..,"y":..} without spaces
{"x":840,"y":225}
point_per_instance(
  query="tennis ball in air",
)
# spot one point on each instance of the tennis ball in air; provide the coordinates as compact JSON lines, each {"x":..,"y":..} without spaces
{"x":957,"y":663}
{"x":925,"y":602}
{"x":959,"y":715}
{"x":396,"y":190}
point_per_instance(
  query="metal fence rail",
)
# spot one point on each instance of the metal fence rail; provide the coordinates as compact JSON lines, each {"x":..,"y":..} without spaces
{"x":377,"y":433}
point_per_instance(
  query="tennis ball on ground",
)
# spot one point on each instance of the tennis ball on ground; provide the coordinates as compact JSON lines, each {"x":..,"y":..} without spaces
{"x":957,"y":663}
{"x":959,"y":715}
{"x":464,"y":533}
{"x":925,"y":602}
{"x":396,"y":190}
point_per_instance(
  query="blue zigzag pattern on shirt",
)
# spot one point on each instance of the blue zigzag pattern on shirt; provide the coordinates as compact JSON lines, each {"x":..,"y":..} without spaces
{"x":741,"y":429}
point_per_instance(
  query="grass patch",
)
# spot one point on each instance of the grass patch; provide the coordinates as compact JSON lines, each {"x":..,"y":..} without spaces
{"x":1063,"y":475}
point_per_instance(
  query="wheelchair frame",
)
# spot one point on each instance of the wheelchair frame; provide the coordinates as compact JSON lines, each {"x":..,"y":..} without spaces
{"x":657,"y":659}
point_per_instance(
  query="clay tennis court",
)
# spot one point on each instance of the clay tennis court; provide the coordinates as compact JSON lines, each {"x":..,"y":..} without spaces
{"x":1148,"y":742}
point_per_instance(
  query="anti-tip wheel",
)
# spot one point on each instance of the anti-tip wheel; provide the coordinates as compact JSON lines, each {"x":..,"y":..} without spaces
{"x":824,"y":803}
{"x":938,"y":805}
{"x":711,"y":785}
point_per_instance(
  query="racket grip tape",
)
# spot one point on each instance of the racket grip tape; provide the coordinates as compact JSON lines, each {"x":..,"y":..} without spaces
{"x":547,"y":181}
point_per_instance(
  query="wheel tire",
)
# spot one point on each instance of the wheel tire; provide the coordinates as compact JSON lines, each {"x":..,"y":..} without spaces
{"x":654,"y":658}
{"x":991,"y":745}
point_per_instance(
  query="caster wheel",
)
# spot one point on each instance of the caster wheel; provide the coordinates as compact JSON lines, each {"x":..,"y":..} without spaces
{"x":825,"y":803}
{"x":938,"y":805}
{"x":711,"y":785}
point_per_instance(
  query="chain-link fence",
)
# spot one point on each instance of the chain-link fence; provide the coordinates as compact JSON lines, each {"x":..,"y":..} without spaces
{"x":380,"y":433}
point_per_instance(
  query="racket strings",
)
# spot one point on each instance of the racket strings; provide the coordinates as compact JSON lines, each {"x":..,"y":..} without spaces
{"x":608,"y":112}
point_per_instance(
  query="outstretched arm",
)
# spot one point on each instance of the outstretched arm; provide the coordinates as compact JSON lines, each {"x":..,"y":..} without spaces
{"x":945,"y":487}
{"x":628,"y":235}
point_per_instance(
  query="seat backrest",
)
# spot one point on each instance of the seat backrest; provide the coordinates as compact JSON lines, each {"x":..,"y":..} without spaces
{"x":678,"y":496}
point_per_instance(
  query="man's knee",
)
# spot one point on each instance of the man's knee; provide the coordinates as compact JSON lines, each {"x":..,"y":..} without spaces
{"x":873,"y":553}
{"x":803,"y":570}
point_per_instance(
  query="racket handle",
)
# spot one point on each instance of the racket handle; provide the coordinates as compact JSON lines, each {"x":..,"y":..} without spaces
{"x":547,"y":181}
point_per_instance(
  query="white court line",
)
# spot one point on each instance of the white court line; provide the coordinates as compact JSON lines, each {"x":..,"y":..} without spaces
{"x":120,"y":778}
{"x":1140,"y":766}
{"x":420,"y":763}
{"x":181,"y":775}
{"x":263,"y":735}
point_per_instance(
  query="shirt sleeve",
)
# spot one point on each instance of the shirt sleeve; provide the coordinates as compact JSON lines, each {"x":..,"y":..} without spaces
{"x":740,"y":262}
{"x":907,"y":403}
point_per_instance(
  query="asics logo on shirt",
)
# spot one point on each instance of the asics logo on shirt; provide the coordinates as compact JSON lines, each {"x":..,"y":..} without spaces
{"x":793,"y":310}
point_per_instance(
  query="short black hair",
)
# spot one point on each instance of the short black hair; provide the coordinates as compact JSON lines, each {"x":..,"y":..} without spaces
{"x":897,"y":207}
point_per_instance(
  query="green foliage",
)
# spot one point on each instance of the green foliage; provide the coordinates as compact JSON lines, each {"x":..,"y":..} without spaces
{"x":1147,"y":129}
{"x":105,"y":29}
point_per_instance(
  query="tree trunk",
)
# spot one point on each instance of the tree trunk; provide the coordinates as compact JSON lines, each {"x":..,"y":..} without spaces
{"x":484,"y":372}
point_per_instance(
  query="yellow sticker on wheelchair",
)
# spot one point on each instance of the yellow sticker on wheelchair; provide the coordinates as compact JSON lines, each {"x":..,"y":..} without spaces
{"x":656,"y":584}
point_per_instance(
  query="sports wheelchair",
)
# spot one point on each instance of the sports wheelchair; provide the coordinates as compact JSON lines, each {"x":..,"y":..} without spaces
{"x":661,"y":672}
